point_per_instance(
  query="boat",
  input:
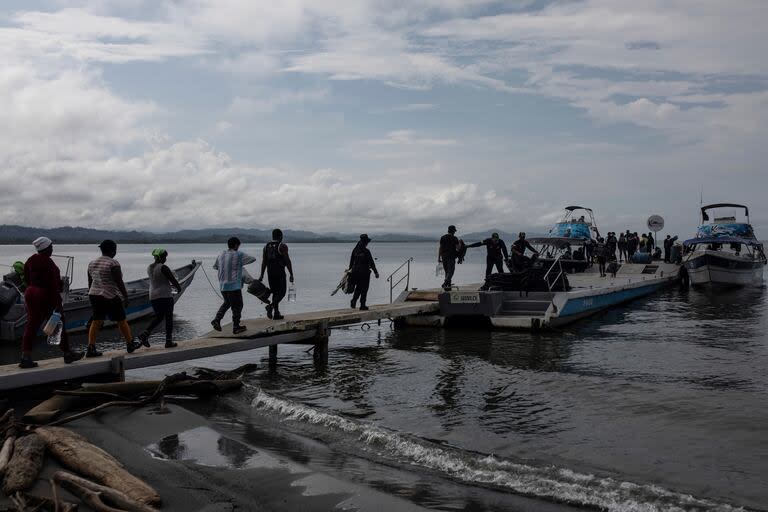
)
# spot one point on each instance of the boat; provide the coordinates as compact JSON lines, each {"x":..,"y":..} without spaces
{"x":568,"y":239}
{"x":557,"y":289}
{"x":77,"y":306}
{"x":724,"y":252}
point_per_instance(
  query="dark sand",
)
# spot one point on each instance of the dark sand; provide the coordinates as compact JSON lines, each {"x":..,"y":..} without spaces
{"x":278,"y":485}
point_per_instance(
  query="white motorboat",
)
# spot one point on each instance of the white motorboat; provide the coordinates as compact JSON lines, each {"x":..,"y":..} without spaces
{"x":724,"y":252}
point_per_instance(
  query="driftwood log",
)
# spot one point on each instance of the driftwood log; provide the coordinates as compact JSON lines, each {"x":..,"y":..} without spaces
{"x":5,"y":454}
{"x":33,"y":503}
{"x":25,"y":464}
{"x":99,"y":497}
{"x":76,"y":453}
{"x":97,"y":394}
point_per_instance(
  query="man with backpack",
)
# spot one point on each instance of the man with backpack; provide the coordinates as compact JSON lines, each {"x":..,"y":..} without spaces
{"x":360,"y":265}
{"x":274,"y":261}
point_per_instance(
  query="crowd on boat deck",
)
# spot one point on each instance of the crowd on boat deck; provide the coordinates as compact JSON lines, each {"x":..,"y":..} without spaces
{"x":606,"y":252}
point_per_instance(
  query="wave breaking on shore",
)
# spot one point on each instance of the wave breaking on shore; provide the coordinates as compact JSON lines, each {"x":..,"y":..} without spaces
{"x":546,"y":482}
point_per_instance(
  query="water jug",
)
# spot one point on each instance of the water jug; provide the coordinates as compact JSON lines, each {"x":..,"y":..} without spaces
{"x":50,"y":325}
{"x":291,"y":293}
{"x":55,"y":337}
{"x":439,"y":270}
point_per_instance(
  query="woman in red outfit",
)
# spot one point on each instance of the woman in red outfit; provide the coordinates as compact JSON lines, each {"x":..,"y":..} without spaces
{"x":41,"y":298}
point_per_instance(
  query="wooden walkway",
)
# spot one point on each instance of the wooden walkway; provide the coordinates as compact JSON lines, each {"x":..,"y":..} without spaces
{"x":312,"y":327}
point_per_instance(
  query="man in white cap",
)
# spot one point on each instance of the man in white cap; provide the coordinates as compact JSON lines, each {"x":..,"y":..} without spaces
{"x":41,"y":298}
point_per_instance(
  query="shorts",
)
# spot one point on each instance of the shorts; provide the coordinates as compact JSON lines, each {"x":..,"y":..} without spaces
{"x":104,"y":308}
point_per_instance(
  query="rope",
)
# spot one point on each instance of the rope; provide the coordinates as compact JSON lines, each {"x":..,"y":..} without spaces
{"x":210,"y":283}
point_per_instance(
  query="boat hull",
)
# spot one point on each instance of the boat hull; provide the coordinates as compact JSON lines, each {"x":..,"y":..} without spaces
{"x":77,"y":306}
{"x":718,"y":269}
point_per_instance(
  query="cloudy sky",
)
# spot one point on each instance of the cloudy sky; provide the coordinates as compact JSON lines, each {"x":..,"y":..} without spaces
{"x":390,"y":115}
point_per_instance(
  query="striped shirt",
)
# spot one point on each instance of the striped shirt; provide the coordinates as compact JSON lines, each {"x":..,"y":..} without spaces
{"x":102,"y":282}
{"x":230,"y":266}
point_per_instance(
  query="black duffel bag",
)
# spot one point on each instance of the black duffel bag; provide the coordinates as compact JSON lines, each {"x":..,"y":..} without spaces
{"x":258,"y":290}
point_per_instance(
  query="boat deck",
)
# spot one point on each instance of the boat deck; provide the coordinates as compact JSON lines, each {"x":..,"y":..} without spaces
{"x":311,"y":327}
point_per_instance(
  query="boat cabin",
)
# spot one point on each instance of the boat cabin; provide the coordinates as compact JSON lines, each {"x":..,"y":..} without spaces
{"x":568,"y":239}
{"x":725,"y":234}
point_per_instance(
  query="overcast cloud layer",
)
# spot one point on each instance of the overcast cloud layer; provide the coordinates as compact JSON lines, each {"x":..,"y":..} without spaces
{"x":393,"y":115}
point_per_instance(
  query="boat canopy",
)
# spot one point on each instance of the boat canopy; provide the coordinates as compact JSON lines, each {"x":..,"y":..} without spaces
{"x":571,"y":230}
{"x":723,"y":240}
{"x":704,"y":209}
{"x":726,"y":230}
{"x":572,"y":208}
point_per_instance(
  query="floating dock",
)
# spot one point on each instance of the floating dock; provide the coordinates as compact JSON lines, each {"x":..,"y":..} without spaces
{"x":304,"y":328}
{"x":587,"y":294}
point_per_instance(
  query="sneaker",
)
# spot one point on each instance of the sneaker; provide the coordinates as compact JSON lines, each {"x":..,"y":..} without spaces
{"x":363,"y":308}
{"x":238,"y":329}
{"x":269,"y":310}
{"x":71,"y":357}
{"x":216,"y":325}
{"x":92,"y":352}
{"x":27,"y":363}
{"x":130,"y":347}
{"x":144,"y":339}
{"x":278,"y":316}
{"x":170,"y":344}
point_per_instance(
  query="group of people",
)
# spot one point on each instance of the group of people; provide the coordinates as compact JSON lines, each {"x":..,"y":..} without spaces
{"x":43,"y":286}
{"x":603,"y":251}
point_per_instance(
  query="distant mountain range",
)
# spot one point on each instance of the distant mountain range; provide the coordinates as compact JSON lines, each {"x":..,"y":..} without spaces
{"x":11,"y":234}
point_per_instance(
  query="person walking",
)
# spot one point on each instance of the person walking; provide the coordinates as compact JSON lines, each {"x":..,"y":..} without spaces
{"x":360,"y":265}
{"x":41,"y":298}
{"x":622,"y":244}
{"x":447,"y":254}
{"x":161,"y":279}
{"x":108,"y":296}
{"x":229,"y":265}
{"x":496,"y":253}
{"x":274,"y":261}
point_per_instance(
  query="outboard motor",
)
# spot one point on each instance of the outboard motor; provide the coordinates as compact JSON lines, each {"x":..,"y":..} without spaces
{"x":9,"y":295}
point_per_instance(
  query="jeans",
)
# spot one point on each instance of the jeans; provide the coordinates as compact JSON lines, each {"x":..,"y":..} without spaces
{"x":232,"y":299}
{"x":163,"y":311}
{"x":449,"y":265}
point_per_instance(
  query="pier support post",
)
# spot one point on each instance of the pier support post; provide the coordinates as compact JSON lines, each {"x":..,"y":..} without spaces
{"x":321,"y":343}
{"x":117,"y":368}
{"x":272,"y":358}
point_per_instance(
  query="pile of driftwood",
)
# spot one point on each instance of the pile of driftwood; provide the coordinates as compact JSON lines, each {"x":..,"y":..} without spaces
{"x":99,"y":480}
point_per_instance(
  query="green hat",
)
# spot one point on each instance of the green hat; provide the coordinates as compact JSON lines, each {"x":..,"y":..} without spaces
{"x":158,"y":253}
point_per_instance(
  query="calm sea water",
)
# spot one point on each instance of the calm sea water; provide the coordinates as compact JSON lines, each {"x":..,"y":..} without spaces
{"x":657,"y":405}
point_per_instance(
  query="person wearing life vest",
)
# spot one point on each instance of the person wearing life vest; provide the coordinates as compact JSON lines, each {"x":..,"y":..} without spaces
{"x":360,"y":265}
{"x":274,"y":261}
{"x":496,"y":253}
{"x":448,"y":253}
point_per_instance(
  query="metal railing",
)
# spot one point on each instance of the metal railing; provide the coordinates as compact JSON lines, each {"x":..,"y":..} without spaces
{"x":406,"y":277}
{"x":559,"y":264}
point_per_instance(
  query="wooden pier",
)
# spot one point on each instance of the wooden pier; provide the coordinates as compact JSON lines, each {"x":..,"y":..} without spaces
{"x":304,"y":328}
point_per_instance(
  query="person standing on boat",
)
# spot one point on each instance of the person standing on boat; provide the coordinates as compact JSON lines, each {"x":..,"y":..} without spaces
{"x":360,"y":265}
{"x":274,"y":261}
{"x":622,"y":244}
{"x":610,"y":244}
{"x":669,"y":242}
{"x":447,"y":254}
{"x":108,"y":296}
{"x":230,"y":269}
{"x":518,"y":247}
{"x":41,"y":298}
{"x":651,"y":243}
{"x":161,"y":279}
{"x":601,"y":254}
{"x":496,"y":253}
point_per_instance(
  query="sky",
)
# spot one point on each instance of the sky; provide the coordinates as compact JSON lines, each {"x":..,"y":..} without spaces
{"x":380,"y":116}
